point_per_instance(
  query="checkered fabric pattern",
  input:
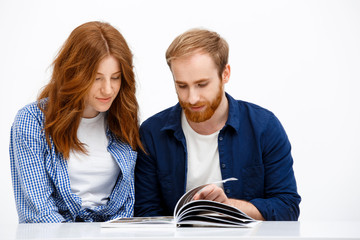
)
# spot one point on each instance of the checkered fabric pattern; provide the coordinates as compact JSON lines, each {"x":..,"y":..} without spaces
{"x":41,"y":181}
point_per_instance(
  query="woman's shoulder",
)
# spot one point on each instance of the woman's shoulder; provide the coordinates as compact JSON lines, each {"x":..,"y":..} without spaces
{"x":31,"y":113}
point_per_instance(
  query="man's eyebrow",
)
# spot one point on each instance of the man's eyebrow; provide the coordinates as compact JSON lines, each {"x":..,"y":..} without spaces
{"x":198,"y":81}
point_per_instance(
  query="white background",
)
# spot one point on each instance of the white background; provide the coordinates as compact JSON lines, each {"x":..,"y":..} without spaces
{"x":299,"y":59}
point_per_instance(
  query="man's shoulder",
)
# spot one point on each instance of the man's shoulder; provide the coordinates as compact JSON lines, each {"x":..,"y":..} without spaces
{"x":252,"y":109}
{"x":243,"y":113}
{"x":257,"y":117}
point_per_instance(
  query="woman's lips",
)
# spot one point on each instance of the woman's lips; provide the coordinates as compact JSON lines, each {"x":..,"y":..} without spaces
{"x":104,"y":100}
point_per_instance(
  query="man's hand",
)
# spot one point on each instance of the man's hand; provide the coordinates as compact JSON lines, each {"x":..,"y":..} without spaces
{"x":215,"y":193}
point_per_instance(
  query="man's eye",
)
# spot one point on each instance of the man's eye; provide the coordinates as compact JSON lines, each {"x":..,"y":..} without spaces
{"x":202,"y":84}
{"x":181,"y":86}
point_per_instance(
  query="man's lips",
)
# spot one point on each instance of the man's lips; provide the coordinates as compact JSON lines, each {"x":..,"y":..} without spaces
{"x":196,"y":108}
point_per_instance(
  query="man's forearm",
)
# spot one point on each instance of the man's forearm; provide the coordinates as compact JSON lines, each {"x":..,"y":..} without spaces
{"x":247,"y":208}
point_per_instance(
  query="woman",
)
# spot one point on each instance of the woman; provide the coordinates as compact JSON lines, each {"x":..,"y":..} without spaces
{"x":73,"y":151}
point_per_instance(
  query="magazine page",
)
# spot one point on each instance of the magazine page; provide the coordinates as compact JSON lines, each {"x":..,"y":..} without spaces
{"x":216,"y":209}
{"x":202,"y":212}
{"x":209,"y":216}
{"x":165,"y":221}
{"x":208,"y":221}
{"x":188,"y":196}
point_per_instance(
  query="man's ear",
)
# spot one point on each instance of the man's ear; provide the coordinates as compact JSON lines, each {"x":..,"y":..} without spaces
{"x":226,"y":74}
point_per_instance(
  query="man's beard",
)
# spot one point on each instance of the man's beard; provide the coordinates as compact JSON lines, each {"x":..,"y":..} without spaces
{"x":210,"y":108}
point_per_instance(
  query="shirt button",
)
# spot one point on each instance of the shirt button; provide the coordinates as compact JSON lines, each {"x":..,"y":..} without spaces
{"x":220,"y":138}
{"x":227,"y":191}
{"x":223,"y":165}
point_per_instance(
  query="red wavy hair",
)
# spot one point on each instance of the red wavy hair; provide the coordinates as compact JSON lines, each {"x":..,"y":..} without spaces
{"x":74,"y":71}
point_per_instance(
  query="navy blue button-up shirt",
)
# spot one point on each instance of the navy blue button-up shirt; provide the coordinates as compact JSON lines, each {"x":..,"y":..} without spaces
{"x":253,"y":147}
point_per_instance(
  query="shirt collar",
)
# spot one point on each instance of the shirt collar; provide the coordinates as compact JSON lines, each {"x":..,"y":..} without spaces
{"x":174,"y":121}
{"x":234,"y":113}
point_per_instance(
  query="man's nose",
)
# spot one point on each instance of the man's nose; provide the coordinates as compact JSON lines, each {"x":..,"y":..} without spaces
{"x":193,"y":97}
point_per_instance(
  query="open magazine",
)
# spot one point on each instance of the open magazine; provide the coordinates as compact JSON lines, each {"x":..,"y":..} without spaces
{"x":189,"y":212}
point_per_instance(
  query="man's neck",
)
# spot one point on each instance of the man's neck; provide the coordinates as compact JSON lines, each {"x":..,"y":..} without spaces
{"x":216,"y":122}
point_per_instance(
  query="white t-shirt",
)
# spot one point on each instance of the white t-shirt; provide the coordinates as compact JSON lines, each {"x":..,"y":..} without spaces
{"x":93,"y":176}
{"x":203,"y":164}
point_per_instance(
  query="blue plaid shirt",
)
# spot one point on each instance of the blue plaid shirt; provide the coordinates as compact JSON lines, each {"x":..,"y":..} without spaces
{"x":41,"y":181}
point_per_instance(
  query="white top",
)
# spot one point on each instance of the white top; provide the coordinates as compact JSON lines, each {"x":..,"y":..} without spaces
{"x":93,"y":175}
{"x":203,"y":164}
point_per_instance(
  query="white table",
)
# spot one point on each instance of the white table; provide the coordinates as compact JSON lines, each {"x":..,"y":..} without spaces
{"x":265,"y":230}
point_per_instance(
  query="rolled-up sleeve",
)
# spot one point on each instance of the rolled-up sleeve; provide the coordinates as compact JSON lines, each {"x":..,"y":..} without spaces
{"x":281,"y":201}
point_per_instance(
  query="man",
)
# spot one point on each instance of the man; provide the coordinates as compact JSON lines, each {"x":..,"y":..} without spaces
{"x":209,"y":136}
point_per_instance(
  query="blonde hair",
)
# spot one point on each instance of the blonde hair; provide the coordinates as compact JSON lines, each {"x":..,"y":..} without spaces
{"x":201,"y":40}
